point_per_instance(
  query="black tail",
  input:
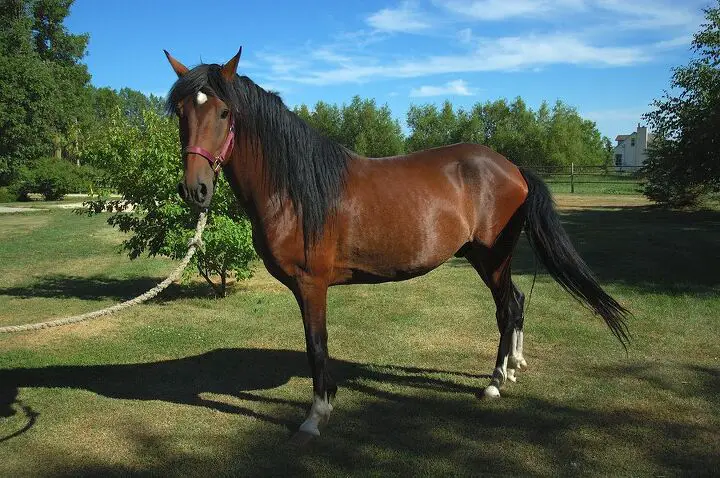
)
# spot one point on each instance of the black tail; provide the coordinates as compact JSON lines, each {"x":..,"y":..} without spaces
{"x":552,"y":246}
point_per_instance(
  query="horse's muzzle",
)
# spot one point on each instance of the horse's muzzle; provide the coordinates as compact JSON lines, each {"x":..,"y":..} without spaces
{"x":198,"y":196}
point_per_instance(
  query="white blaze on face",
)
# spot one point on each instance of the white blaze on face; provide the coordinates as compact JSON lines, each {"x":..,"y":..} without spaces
{"x":201,"y":98}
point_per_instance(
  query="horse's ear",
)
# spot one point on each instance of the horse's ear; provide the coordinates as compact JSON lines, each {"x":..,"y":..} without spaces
{"x":179,"y":68}
{"x":229,"y":68}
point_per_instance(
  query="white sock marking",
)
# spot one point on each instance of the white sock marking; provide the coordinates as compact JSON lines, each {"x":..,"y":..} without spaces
{"x":319,"y":414}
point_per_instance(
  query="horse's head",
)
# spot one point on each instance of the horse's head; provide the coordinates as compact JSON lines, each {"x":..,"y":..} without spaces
{"x":207,"y":130}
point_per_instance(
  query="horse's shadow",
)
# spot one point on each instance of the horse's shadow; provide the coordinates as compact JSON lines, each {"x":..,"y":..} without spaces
{"x":233,"y":372}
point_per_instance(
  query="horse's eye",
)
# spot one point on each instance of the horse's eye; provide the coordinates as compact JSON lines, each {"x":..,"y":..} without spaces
{"x":224,"y":114}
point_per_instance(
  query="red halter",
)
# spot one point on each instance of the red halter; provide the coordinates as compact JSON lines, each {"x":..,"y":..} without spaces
{"x":222,"y":157}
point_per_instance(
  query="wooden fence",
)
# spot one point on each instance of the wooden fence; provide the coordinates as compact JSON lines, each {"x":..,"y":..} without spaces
{"x":593,"y":179}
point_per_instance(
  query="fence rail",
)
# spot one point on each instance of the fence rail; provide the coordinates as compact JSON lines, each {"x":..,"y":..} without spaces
{"x":593,"y":179}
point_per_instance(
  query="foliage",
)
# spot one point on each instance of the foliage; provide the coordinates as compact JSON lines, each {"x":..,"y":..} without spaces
{"x":545,"y":137}
{"x":683,"y":163}
{"x":361,"y":126}
{"x":142,"y":162}
{"x":43,"y":101}
{"x":53,"y":178}
{"x":554,"y":136}
{"x":7,"y":195}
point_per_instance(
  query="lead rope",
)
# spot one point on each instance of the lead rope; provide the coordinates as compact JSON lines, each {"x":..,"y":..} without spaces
{"x":193,"y":245}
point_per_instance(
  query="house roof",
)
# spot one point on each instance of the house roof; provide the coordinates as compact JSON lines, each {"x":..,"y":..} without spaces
{"x":622,"y":137}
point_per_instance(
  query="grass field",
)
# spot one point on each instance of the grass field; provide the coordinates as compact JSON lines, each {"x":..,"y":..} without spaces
{"x":188,"y":385}
{"x":615,"y":184}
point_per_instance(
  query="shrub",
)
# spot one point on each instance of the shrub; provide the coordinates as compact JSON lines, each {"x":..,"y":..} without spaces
{"x":142,"y":162}
{"x":7,"y":194}
{"x":53,"y":178}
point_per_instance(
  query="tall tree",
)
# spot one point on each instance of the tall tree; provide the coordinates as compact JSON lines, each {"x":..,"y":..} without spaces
{"x":684,"y":157}
{"x":369,"y":130}
{"x":43,"y":100}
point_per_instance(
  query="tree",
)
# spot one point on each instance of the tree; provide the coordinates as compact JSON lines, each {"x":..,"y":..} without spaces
{"x":431,"y":127}
{"x":683,"y":164}
{"x":142,"y":162}
{"x":134,"y":102}
{"x":43,"y":99}
{"x":360,"y":126}
{"x":369,"y":130}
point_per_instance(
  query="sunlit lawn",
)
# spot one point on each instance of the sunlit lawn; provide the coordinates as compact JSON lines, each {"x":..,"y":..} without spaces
{"x":190,"y":385}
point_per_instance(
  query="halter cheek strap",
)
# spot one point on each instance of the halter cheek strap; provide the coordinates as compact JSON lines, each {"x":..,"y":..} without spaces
{"x":222,"y":157}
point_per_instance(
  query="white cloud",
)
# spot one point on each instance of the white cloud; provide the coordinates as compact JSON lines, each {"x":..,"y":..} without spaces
{"x":465,"y":35}
{"x":493,"y":10}
{"x":682,"y":41}
{"x":283,"y":64}
{"x":635,"y":14}
{"x":600,"y":36}
{"x":405,"y":18}
{"x":456,"y":87}
{"x":638,"y":14}
{"x":501,"y":54}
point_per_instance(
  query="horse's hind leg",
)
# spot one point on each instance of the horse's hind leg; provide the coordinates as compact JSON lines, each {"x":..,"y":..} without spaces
{"x":516,"y":361}
{"x":493,"y":264}
{"x":507,"y":306}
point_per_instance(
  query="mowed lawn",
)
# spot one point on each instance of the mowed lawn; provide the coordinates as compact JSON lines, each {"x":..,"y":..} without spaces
{"x":189,"y":385}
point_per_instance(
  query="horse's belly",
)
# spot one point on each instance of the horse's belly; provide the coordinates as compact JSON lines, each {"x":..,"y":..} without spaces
{"x":402,"y":249}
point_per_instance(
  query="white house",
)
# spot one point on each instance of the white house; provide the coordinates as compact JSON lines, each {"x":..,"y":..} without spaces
{"x":631,"y":149}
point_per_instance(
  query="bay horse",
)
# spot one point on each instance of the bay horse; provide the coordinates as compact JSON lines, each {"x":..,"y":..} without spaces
{"x":322,"y":215}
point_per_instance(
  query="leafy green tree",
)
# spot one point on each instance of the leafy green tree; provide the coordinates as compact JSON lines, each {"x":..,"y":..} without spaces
{"x":360,"y":126}
{"x":134,"y":102}
{"x":683,"y":163}
{"x":142,"y":162}
{"x":431,"y":127}
{"x":53,"y":178}
{"x":43,"y":100}
{"x":369,"y":130}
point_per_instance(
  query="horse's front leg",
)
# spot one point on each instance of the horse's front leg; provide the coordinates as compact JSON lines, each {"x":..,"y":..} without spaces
{"x":312,"y":299}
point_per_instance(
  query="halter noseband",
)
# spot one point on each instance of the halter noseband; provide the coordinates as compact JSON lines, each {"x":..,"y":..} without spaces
{"x":222,"y":157}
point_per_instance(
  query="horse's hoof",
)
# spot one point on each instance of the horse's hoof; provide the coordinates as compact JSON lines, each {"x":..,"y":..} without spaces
{"x":511,"y":375}
{"x":522,"y":365}
{"x":301,"y":439}
{"x":491,"y":392}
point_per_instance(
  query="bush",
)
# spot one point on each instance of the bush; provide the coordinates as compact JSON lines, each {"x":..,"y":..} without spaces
{"x":142,"y":162}
{"x":7,"y":194}
{"x":53,"y":178}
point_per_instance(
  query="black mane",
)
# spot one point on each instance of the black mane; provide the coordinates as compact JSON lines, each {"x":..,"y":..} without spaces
{"x":300,"y":162}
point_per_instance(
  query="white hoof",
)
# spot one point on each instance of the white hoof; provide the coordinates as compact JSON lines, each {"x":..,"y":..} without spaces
{"x":311,"y":427}
{"x":491,"y":392}
{"x":511,"y":375}
{"x":319,"y":414}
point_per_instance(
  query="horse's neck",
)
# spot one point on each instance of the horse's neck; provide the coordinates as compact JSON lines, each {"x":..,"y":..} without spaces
{"x":249,"y":180}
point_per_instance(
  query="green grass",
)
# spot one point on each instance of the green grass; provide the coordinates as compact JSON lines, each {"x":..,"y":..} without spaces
{"x":613,"y":184}
{"x":189,"y":385}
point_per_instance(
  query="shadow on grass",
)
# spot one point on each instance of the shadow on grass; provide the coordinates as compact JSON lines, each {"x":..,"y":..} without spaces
{"x":220,"y":372}
{"x":102,"y":287}
{"x":647,"y":248}
{"x":408,"y":422}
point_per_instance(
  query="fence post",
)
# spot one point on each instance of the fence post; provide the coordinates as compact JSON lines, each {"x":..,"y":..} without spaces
{"x":572,"y":177}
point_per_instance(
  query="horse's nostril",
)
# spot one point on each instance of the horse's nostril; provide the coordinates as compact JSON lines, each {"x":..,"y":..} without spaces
{"x":203,"y":189}
{"x":182,"y":192}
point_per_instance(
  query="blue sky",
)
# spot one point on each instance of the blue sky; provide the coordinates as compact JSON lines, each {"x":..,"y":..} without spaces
{"x":607,"y":58}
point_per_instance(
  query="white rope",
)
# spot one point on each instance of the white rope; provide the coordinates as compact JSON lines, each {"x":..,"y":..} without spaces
{"x":193,"y":245}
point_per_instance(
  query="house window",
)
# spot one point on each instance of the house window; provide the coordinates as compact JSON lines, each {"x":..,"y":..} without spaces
{"x":618,"y":160}
{"x":632,"y":141}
